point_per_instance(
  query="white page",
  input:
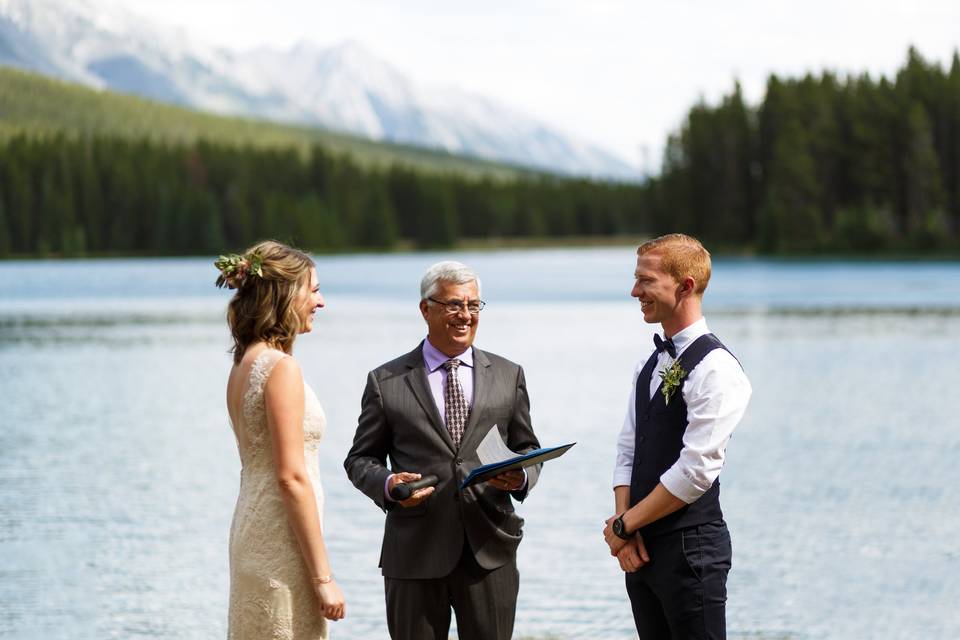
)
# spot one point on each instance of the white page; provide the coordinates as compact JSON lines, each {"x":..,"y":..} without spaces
{"x":493,"y":449}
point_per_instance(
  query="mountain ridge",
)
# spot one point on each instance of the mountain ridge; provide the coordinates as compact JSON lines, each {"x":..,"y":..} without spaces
{"x":35,"y":104}
{"x":344,"y":87}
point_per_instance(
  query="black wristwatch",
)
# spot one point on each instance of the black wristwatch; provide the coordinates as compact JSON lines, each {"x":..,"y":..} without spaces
{"x":620,"y":529}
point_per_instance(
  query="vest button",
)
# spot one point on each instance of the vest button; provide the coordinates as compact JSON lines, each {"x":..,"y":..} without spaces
{"x":642,"y":438}
{"x":459,"y":461}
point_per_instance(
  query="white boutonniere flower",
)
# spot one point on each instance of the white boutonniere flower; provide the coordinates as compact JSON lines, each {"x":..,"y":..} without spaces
{"x":672,"y":377}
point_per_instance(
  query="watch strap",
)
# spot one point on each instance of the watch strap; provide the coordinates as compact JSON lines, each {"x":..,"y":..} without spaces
{"x":621,"y":531}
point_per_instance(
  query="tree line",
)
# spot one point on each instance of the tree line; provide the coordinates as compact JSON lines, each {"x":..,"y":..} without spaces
{"x":68,"y":196}
{"x":823,"y":163}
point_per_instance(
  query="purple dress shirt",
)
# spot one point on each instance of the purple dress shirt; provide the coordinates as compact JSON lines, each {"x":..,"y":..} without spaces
{"x":437,"y":375}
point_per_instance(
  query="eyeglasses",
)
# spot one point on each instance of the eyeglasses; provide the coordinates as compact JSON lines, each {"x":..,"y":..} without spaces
{"x":455,"y":306}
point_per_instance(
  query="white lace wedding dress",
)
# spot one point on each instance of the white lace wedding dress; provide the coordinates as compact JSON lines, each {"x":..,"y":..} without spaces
{"x":271,"y":595}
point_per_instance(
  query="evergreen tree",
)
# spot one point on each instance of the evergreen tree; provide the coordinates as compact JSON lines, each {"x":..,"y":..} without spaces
{"x":791,"y":219}
{"x":90,"y":212}
{"x":5,"y":240}
{"x":378,"y":224}
{"x":20,"y":210}
{"x":437,"y":224}
{"x":924,"y":193}
{"x":864,"y":229}
{"x":951,"y":158}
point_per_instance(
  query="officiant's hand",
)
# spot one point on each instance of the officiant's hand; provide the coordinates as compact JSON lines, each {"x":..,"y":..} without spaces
{"x":508,"y":480}
{"x":613,"y":541}
{"x":417,"y":496}
{"x":633,"y":555}
{"x":331,"y":600}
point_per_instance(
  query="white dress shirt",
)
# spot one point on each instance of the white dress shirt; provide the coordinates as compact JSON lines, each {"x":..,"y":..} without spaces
{"x":716,"y":392}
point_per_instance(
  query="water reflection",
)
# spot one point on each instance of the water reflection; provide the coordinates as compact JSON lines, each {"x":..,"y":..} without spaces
{"x":118,"y":471}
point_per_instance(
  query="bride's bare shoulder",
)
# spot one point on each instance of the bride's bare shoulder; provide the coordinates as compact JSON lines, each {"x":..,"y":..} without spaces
{"x":284,"y":372}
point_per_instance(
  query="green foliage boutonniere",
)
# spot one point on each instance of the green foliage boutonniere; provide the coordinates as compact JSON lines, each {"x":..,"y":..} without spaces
{"x":672,"y":378}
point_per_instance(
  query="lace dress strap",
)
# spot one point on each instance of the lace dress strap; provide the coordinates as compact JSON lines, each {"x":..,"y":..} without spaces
{"x":259,"y":374}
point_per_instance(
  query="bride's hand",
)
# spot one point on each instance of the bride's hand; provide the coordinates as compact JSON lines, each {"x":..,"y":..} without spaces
{"x":331,"y":600}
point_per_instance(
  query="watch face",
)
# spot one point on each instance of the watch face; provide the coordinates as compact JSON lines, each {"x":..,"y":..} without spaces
{"x":618,"y":527}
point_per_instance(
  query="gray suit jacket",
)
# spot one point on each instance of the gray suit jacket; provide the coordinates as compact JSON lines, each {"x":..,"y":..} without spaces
{"x":399,"y":420}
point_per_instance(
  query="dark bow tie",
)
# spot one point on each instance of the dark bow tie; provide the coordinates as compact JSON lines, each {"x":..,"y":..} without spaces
{"x":665,"y":345}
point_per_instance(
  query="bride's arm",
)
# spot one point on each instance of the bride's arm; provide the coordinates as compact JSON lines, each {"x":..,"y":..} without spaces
{"x":283,"y":400}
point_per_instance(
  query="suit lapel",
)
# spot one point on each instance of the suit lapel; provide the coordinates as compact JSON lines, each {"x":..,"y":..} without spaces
{"x":417,"y":379}
{"x":481,"y":387}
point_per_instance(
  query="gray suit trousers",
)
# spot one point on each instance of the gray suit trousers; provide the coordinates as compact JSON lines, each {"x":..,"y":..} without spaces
{"x":483,"y":600}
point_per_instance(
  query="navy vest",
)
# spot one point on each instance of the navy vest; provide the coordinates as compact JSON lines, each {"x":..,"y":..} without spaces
{"x":659,"y":439}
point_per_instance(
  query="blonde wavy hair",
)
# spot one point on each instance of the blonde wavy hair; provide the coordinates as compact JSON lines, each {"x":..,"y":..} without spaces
{"x":264,"y":307}
{"x":681,"y":256}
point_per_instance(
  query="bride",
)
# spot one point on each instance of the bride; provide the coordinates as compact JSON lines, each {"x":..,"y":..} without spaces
{"x":281,"y":585}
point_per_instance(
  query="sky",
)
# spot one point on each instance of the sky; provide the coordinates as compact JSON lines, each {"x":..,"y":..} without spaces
{"x":619,"y":73}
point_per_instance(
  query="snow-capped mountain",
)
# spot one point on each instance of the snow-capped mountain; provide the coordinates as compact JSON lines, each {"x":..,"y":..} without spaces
{"x":344,"y":87}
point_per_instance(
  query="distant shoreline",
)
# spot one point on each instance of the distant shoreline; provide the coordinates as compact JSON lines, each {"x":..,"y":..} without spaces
{"x":547,"y":242}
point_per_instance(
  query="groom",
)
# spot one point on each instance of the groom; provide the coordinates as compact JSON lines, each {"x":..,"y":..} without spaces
{"x":668,"y":531}
{"x":427,"y":411}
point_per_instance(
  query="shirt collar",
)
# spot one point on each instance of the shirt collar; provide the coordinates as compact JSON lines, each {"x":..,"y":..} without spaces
{"x":683,"y":339}
{"x":434,"y":358}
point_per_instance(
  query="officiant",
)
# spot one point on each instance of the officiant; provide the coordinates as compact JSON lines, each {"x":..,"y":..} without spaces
{"x":427,"y":411}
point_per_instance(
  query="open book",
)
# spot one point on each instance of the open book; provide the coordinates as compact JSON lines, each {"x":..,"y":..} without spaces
{"x":496,"y":458}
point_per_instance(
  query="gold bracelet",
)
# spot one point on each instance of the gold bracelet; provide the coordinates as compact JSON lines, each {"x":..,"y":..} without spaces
{"x":323,"y":579}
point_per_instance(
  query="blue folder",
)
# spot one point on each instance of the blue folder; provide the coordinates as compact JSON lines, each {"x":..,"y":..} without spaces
{"x":487,"y":471}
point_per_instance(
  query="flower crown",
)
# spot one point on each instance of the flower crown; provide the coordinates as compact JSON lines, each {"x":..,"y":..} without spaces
{"x":236,"y":269}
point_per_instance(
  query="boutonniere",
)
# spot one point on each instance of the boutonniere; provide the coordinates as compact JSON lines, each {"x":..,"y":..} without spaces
{"x":672,"y":378}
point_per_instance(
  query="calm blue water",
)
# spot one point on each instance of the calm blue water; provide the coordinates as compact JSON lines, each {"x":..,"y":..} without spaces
{"x":118,"y":471}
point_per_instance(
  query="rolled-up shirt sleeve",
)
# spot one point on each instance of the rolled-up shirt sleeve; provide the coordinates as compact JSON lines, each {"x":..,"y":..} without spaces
{"x":716,"y":393}
{"x":623,"y":471}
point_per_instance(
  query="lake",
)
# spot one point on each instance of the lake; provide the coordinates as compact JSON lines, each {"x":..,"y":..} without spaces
{"x":119,"y":472}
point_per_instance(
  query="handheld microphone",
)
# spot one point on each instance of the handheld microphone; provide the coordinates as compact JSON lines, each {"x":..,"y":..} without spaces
{"x":403,"y":490}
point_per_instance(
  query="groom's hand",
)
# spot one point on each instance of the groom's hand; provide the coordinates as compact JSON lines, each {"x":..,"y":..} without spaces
{"x":417,"y":496}
{"x":633,"y":555}
{"x":613,"y":541}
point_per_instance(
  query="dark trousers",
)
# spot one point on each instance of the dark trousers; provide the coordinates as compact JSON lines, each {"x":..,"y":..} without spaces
{"x":485,"y":603}
{"x":681,"y":593}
